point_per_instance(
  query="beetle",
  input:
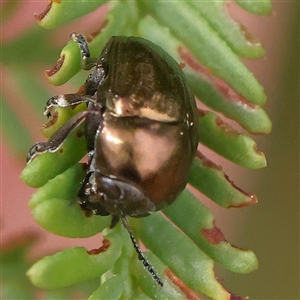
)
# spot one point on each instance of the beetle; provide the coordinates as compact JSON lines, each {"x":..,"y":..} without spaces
{"x":140,"y":126}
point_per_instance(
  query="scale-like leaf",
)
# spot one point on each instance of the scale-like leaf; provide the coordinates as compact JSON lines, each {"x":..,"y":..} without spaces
{"x":200,"y":227}
{"x":231,"y":31}
{"x":223,"y":139}
{"x":210,"y":90}
{"x":207,"y":46}
{"x":75,"y":264}
{"x":209,"y":179}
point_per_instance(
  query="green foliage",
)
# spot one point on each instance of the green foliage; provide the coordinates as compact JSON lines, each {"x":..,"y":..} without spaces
{"x":209,"y":43}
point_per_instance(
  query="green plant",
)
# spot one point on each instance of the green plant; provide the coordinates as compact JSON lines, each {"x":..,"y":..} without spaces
{"x":208,"y":42}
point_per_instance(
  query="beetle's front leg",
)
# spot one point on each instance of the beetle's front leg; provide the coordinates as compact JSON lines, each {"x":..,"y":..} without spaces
{"x":56,"y":140}
{"x":65,"y":101}
{"x":88,"y":62}
{"x":95,"y":79}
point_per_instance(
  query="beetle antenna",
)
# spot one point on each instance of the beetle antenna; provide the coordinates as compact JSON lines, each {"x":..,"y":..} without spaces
{"x":141,"y":255}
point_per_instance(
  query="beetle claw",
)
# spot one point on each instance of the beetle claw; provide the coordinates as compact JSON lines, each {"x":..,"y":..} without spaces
{"x":35,"y":150}
{"x":87,"y":61}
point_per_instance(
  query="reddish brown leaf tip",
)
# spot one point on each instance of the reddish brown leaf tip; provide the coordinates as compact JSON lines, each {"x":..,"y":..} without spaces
{"x":237,"y":297}
{"x":226,"y":127}
{"x":252,"y":197}
{"x":208,"y":163}
{"x":40,"y":17}
{"x":214,"y":235}
{"x":201,"y":112}
{"x":257,"y":151}
{"x":181,"y":65}
{"x":87,"y":213}
{"x":103,"y":248}
{"x":52,"y":121}
{"x":80,"y":91}
{"x":220,"y":123}
{"x":56,"y":68}
{"x":248,"y":36}
{"x":190,"y":295}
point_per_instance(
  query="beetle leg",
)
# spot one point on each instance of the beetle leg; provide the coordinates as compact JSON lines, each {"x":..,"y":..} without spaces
{"x":97,"y":76}
{"x":88,"y":62}
{"x":64,"y":101}
{"x":57,"y":139}
{"x":94,"y":80}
